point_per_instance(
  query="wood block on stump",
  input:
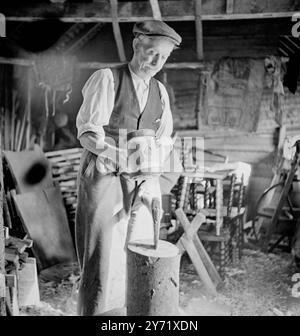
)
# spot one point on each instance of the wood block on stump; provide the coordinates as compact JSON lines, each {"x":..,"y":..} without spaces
{"x":153,"y":279}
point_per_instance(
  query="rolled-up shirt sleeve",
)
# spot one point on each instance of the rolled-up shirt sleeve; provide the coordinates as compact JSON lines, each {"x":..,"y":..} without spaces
{"x":165,"y":129}
{"x":98,"y":101}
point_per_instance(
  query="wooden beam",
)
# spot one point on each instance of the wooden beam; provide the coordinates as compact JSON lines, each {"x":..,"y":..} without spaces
{"x":16,"y":61}
{"x":28,"y":118}
{"x":80,"y":42}
{"x":181,"y":10}
{"x":190,"y":242}
{"x":199,"y":100}
{"x":248,"y":16}
{"x":229,"y":6}
{"x":100,"y":65}
{"x":169,"y":66}
{"x":155,"y":9}
{"x":117,"y":31}
{"x":68,"y":35}
{"x":199,"y":29}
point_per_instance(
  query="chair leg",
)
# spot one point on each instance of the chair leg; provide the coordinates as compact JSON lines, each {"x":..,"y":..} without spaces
{"x":222,"y":259}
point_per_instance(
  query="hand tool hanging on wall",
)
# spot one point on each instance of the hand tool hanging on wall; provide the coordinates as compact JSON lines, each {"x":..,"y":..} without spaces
{"x":53,"y":73}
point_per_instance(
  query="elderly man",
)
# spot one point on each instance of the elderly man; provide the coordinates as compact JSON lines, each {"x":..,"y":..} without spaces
{"x":130,"y":99}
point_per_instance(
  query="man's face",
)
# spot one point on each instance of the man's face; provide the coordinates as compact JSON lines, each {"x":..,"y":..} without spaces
{"x":151,"y":54}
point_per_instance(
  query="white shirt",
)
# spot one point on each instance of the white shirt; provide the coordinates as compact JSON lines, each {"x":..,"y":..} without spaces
{"x":98,"y":102}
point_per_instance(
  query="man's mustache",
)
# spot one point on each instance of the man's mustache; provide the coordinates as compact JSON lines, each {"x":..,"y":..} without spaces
{"x":149,"y":66}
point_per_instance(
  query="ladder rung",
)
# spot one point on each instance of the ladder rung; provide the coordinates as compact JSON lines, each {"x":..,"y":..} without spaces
{"x":264,"y":214}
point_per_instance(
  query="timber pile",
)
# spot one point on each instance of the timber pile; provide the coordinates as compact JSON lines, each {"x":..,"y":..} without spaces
{"x":16,"y":259}
{"x":15,"y":255}
{"x":65,"y":165}
{"x":36,"y":207}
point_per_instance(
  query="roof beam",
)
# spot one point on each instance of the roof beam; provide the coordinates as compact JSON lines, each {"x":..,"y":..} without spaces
{"x":181,"y":10}
{"x":83,"y":40}
{"x":155,"y":10}
{"x":100,"y":65}
{"x":69,"y":35}
{"x":117,"y":31}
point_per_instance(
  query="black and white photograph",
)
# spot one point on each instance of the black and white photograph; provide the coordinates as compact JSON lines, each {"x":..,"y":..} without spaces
{"x":149,"y":162}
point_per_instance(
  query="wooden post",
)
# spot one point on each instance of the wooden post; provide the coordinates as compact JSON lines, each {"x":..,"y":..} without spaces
{"x":153,"y":280}
{"x":12,"y":293}
{"x":28,"y":117}
{"x":101,"y":65}
{"x":155,"y":10}
{"x":199,"y":101}
{"x":199,"y":30}
{"x":2,"y":244}
{"x":229,"y":6}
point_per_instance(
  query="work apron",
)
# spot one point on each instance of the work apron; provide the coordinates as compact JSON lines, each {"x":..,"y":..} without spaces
{"x":103,"y":211}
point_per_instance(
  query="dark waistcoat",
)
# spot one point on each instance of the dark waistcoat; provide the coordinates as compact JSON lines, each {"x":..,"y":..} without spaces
{"x":126,"y":113}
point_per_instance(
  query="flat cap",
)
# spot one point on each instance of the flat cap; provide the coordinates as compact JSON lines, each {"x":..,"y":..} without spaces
{"x":157,"y":28}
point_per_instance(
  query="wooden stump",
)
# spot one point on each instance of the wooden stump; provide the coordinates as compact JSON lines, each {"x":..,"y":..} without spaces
{"x":153,"y":279}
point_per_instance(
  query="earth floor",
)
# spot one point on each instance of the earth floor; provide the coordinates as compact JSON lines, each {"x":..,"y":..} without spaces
{"x":259,"y":285}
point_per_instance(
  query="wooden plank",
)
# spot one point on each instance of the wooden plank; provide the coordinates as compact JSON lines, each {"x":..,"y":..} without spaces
{"x":28,"y":289}
{"x":191,"y":233}
{"x":14,"y":297}
{"x":199,"y":29}
{"x":192,"y":244}
{"x":45,"y":220}
{"x":194,"y":226}
{"x":184,"y":222}
{"x":211,"y":269}
{"x":19,"y":164}
{"x":190,"y":228}
{"x":116,"y":30}
{"x":199,"y":265}
{"x":155,"y":9}
{"x":133,"y":11}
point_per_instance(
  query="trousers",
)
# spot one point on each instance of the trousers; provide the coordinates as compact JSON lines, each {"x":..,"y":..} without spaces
{"x":102,"y":215}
